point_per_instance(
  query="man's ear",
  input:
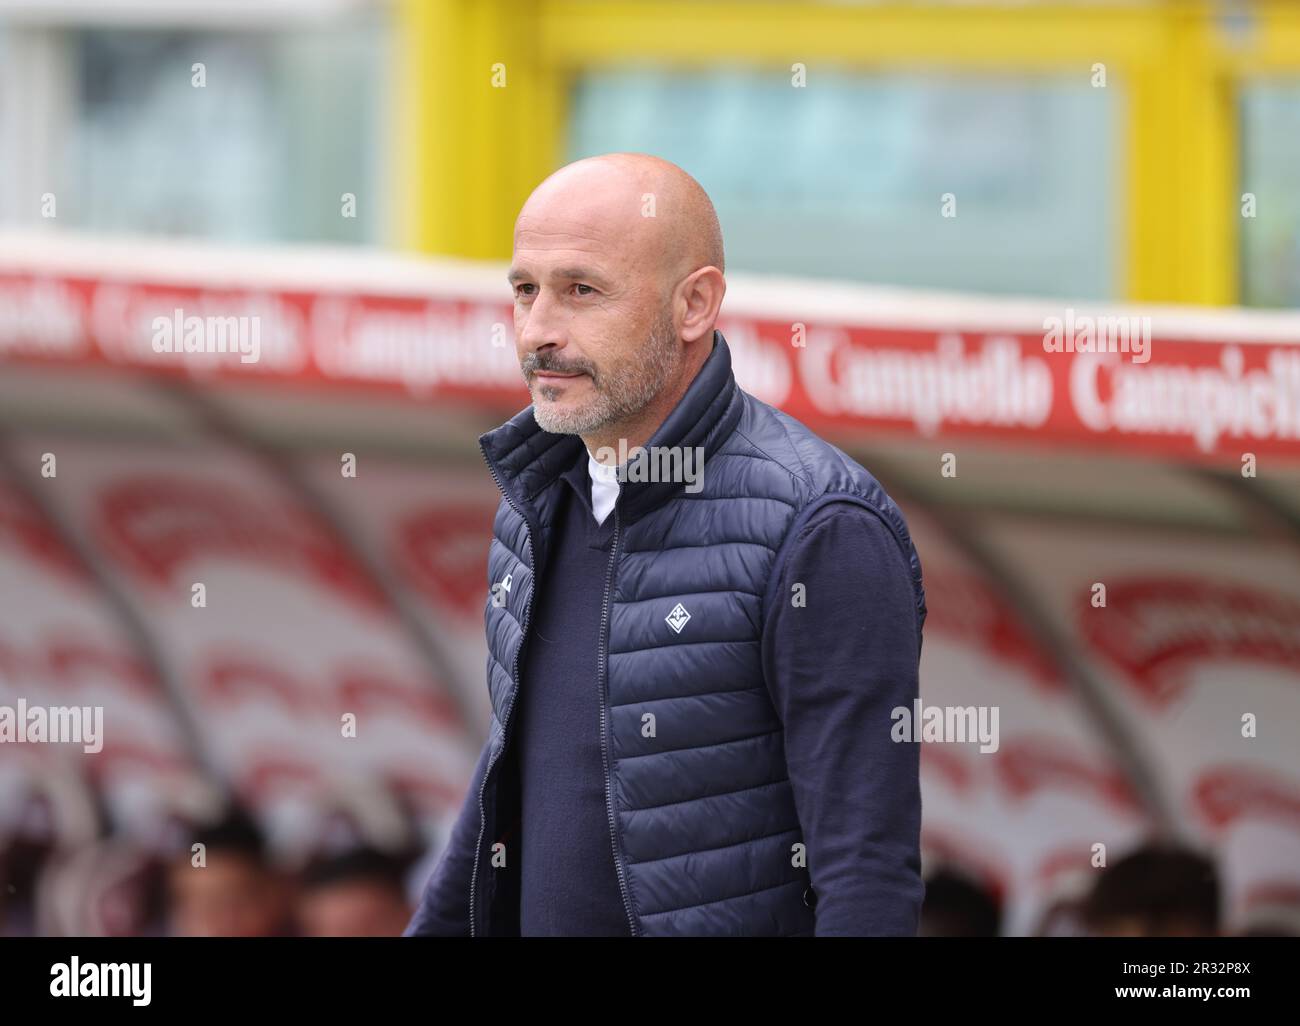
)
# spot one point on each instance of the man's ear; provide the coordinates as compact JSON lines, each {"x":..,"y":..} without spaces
{"x":700,"y":299}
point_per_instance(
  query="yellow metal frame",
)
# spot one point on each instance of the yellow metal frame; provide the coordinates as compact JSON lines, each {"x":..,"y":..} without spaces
{"x":471,"y":151}
{"x":471,"y":144}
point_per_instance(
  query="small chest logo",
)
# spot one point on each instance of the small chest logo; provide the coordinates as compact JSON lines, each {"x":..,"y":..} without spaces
{"x":678,"y":617}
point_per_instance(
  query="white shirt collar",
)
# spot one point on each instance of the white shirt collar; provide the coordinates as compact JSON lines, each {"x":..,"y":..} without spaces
{"x":604,"y":487}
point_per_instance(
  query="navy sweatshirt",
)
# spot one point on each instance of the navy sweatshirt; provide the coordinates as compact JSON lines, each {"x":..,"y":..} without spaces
{"x":568,"y":882}
{"x":835,"y":668}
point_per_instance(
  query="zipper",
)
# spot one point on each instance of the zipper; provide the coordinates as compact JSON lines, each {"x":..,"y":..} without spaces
{"x":601,"y":682}
{"x":514,"y":676}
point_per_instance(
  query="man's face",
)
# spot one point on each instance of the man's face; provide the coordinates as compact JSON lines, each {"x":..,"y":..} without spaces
{"x":353,"y":908}
{"x":231,"y":896}
{"x":1153,"y":926}
{"x":593,"y":326}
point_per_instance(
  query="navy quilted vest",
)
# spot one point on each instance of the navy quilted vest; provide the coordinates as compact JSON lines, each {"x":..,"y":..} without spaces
{"x":701,"y":814}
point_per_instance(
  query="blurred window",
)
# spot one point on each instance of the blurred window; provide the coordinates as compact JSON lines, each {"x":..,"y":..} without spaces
{"x":1270,"y":171}
{"x":284,"y":124}
{"x":846,"y":176}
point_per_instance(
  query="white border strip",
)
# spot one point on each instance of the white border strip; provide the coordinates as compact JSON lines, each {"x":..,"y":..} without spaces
{"x":162,"y":14}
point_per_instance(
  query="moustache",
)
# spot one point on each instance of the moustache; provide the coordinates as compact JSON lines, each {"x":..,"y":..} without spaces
{"x":531,"y":368}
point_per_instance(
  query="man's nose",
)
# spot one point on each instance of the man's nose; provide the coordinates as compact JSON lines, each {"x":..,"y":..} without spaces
{"x":542,"y":325}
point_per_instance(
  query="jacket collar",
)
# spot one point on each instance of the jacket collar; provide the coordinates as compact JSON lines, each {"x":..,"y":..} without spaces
{"x":526,"y":460}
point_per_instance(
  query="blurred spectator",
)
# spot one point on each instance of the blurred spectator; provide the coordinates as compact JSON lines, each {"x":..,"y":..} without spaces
{"x":956,"y":906}
{"x":358,"y":893}
{"x":21,"y":865}
{"x":1156,"y":891}
{"x":235,"y":892}
{"x":1267,"y":929}
{"x":15,"y":920}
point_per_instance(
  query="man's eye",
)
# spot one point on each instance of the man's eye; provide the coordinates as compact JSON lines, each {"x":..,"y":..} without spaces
{"x":522,"y":289}
{"x":590,"y":290}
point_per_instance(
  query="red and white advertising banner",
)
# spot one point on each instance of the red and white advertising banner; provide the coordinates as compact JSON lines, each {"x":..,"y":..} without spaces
{"x":1203,"y":385}
{"x":1020,"y":806}
{"x":309,"y":695}
{"x":1198,"y":646}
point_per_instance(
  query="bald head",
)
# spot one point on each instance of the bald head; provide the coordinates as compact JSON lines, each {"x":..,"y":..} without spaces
{"x":618,"y":280}
{"x":632,"y":201}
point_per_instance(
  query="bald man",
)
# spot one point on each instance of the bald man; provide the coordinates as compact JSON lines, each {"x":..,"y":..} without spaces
{"x":700,"y":615}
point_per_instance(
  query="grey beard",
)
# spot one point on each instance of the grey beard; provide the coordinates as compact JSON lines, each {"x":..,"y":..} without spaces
{"x":620,"y":393}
